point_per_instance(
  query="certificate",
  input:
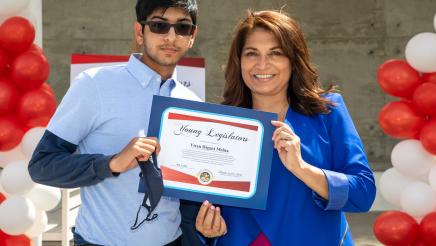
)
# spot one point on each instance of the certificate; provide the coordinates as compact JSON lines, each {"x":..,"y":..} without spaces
{"x":213,"y":152}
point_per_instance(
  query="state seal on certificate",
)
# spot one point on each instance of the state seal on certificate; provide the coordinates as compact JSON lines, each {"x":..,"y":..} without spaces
{"x":205,"y":177}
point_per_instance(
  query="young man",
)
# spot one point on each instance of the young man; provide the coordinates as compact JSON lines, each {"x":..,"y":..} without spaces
{"x":105,"y":116}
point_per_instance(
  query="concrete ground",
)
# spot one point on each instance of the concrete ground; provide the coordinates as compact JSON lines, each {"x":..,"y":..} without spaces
{"x":361,"y":228}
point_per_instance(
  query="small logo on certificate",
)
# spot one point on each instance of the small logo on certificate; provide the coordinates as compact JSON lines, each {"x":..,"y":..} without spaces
{"x":205,"y":177}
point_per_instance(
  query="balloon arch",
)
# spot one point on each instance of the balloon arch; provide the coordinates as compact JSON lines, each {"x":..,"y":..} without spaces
{"x":410,"y":185}
{"x":26,"y":104}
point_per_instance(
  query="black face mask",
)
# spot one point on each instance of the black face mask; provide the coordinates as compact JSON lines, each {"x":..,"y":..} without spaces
{"x":152,"y":179}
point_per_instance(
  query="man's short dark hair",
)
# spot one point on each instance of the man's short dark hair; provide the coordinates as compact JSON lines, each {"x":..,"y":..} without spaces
{"x":145,"y":7}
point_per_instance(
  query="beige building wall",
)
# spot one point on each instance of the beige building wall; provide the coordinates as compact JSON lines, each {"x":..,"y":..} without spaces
{"x":348,"y":40}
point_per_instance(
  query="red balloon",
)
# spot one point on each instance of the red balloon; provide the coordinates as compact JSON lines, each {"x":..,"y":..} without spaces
{"x":428,"y":136}
{"x":16,"y":34}
{"x":419,"y":242}
{"x":29,"y":70}
{"x":400,"y":120}
{"x":429,"y":77}
{"x":9,"y":96}
{"x":36,"y":48}
{"x":2,"y":198}
{"x":398,"y":78}
{"x":427,"y":228}
{"x":36,"y":107}
{"x":8,"y":240}
{"x":11,"y":133}
{"x":47,"y":88}
{"x":33,"y":47}
{"x":424,"y":98}
{"x":396,"y":228}
{"x":4,"y":61}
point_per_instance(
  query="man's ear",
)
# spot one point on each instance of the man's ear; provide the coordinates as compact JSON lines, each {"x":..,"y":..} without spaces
{"x":194,"y":35}
{"x":139,"y":35}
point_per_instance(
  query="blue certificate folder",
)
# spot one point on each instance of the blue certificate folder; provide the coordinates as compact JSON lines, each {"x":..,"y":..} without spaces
{"x":257,"y":198}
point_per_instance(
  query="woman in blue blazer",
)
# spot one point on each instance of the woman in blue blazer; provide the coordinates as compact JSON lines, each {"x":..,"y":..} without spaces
{"x":319,"y":168}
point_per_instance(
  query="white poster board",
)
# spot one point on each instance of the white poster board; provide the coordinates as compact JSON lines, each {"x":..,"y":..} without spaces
{"x":190,"y":71}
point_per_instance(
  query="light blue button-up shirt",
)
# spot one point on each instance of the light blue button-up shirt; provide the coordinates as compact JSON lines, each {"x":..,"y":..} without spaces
{"x":102,"y":111}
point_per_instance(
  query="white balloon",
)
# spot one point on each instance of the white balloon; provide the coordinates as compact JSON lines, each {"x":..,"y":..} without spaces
{"x":30,"y":140}
{"x":12,"y":7}
{"x":14,"y":154}
{"x":418,"y":199}
{"x":17,"y":215}
{"x":44,"y":197}
{"x":421,"y":52}
{"x":3,"y":190}
{"x":39,"y":225}
{"x":392,"y":183}
{"x":411,"y":159}
{"x":15,"y":178}
{"x":432,"y":178}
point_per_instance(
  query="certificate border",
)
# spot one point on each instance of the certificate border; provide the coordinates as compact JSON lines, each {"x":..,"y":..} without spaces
{"x":259,"y":199}
{"x":228,"y":116}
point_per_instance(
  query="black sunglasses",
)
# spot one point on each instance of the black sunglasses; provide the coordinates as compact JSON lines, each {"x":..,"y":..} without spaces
{"x":163,"y":27}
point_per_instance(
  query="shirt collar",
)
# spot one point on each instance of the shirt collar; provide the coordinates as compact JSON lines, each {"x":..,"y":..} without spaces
{"x":144,"y":74}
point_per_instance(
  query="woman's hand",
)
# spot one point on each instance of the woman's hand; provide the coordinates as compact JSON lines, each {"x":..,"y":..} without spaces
{"x":209,"y":221}
{"x":288,"y":146}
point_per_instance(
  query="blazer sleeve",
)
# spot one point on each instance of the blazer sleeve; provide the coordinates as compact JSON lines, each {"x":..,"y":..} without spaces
{"x":350,"y":181}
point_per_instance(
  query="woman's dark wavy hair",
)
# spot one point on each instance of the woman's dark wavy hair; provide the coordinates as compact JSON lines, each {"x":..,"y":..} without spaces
{"x":305,"y":94}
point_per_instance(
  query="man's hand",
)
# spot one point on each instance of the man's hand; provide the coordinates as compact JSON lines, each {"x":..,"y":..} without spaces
{"x":209,"y":221}
{"x":140,"y":148}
